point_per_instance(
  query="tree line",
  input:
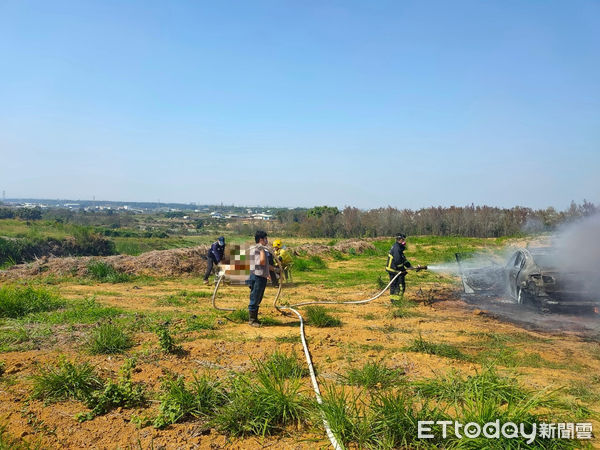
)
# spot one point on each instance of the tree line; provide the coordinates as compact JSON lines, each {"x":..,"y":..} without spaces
{"x":472,"y":221}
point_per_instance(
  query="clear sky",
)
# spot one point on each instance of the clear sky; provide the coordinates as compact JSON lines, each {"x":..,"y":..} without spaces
{"x":302,"y":103}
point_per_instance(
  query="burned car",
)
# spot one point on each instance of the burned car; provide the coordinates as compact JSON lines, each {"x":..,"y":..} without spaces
{"x":533,"y":276}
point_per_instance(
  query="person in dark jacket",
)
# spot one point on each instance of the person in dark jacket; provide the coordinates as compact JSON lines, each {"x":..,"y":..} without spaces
{"x":397,"y":263}
{"x":214,"y":256}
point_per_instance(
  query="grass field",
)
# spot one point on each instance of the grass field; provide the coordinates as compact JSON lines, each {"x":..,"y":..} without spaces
{"x":146,"y":363}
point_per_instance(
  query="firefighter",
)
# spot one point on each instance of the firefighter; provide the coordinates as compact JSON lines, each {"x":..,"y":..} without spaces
{"x":284,"y":257}
{"x":214,"y":256}
{"x":397,"y":263}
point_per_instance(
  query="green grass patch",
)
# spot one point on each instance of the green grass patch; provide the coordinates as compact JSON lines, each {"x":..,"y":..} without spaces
{"x":108,"y":339}
{"x":374,"y":375}
{"x":19,"y":301}
{"x":239,"y":316}
{"x":282,"y":365}
{"x":87,"y":310}
{"x":420,"y":345}
{"x":180,"y":402}
{"x":106,"y":273}
{"x":200,"y":324}
{"x":65,"y":381}
{"x":319,"y":317}
{"x":314,"y":262}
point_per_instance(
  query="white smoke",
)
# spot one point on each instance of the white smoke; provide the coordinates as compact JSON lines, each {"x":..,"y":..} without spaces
{"x":577,"y":245}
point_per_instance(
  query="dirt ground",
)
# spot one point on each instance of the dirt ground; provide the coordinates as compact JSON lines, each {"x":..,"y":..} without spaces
{"x":368,"y":332}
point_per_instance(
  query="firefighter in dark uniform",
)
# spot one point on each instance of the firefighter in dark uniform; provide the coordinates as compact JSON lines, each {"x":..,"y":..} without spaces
{"x":397,"y":263}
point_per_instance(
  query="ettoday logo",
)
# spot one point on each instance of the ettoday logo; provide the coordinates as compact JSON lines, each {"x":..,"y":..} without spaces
{"x":508,"y":430}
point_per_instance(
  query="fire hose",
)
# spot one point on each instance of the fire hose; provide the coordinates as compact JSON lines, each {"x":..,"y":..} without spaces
{"x":311,"y":369}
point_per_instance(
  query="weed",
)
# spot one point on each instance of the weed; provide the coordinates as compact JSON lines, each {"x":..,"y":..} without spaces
{"x":348,"y":417}
{"x":262,"y":405}
{"x":84,"y":311}
{"x":369,"y":316}
{"x":122,"y":393}
{"x":283,"y":366}
{"x":199,"y":324}
{"x":319,"y":317}
{"x":314,"y":262}
{"x":420,"y":345}
{"x":195,"y":294}
{"x":179,"y":402}
{"x":166,"y":341}
{"x":288,"y":339}
{"x":104,"y":272}
{"x":18,"y":301}
{"x":107,"y":339}
{"x":65,"y":380}
{"x":374,"y":375}
{"x":239,"y":316}
{"x":454,"y":387}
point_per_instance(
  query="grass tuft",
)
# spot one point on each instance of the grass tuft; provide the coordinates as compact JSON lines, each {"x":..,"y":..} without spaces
{"x":108,"y":339}
{"x":179,"y":402}
{"x":420,"y":345}
{"x":65,"y":381}
{"x":319,"y":317}
{"x":283,"y":366}
{"x":374,"y":375}
{"x":106,"y":273}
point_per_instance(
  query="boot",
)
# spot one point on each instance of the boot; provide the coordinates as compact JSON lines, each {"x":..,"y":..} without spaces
{"x":253,"y":322}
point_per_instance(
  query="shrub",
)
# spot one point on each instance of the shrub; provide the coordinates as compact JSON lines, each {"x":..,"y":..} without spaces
{"x":108,"y":339}
{"x":319,"y":317}
{"x":65,"y":381}
{"x":17,"y":301}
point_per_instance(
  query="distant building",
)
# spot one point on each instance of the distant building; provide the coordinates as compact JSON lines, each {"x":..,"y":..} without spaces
{"x":261,"y":216}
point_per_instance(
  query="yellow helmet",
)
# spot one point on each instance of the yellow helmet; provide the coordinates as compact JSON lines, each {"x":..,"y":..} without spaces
{"x":277,"y":243}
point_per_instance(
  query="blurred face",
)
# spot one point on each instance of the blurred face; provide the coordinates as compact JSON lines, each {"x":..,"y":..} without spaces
{"x":263,"y":241}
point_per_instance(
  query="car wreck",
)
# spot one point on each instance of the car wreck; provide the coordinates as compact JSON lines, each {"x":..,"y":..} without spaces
{"x":533,"y":276}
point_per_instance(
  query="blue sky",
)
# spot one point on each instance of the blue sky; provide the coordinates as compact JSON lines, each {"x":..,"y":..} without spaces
{"x":282,"y":103}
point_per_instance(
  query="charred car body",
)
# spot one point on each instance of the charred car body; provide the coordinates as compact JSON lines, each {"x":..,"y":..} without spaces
{"x":534,"y":276}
